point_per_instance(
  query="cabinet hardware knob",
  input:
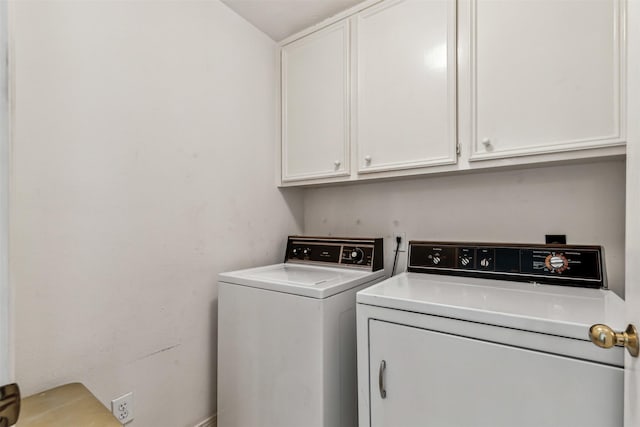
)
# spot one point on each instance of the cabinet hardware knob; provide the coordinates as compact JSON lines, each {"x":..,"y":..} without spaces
{"x":337,"y":163}
{"x":605,"y":337}
{"x":486,"y":142}
{"x":367,"y":159}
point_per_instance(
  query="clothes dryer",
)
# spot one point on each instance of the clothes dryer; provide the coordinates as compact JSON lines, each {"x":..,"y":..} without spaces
{"x":489,"y":335}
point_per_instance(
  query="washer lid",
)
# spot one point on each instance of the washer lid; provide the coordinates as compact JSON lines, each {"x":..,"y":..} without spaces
{"x":306,"y":280}
{"x":556,"y":310}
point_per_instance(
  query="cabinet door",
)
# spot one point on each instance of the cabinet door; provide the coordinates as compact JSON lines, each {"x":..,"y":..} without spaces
{"x":406,"y":97}
{"x":546,"y":76}
{"x":436,"y":379}
{"x":315,"y":105}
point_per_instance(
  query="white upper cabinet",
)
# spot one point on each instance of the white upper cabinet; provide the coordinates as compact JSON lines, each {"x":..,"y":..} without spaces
{"x":546,"y":76}
{"x":315,"y":105}
{"x":405,"y":102}
{"x":396,"y":88}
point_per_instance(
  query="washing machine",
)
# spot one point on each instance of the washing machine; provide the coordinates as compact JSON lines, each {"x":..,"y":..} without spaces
{"x":486,"y":335}
{"x":287,"y":335}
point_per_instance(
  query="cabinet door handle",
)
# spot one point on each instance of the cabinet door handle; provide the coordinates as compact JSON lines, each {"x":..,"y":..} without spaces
{"x":383,"y":392}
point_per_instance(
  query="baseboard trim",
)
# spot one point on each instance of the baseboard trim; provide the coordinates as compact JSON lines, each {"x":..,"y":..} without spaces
{"x":212,"y":421}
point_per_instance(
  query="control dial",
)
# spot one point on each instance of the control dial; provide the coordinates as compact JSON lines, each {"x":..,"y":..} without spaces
{"x":306,"y":252}
{"x":357,"y":255}
{"x":556,"y":262}
{"x":436,"y":260}
{"x":465,"y":261}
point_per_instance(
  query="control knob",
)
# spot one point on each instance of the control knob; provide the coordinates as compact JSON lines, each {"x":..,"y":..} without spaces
{"x":436,"y":260}
{"x":556,"y":262}
{"x":465,"y":261}
{"x":484,"y":262}
{"x":357,"y":255}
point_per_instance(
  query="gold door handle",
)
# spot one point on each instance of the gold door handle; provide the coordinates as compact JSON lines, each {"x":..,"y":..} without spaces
{"x":9,"y":404}
{"x":605,"y":337}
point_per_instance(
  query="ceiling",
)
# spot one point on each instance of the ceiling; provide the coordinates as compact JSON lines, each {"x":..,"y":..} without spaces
{"x":281,"y":18}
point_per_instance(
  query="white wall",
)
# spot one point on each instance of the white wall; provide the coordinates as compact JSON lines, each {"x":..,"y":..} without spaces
{"x":4,"y":199}
{"x":585,"y":202}
{"x":144,"y":159}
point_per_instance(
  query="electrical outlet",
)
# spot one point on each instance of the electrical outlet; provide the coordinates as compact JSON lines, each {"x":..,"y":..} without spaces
{"x":403,"y":241}
{"x":560,"y":239}
{"x":122,"y":408}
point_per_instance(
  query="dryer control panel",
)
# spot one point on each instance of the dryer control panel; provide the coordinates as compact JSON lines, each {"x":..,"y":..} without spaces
{"x":341,"y":252}
{"x":567,"y":265}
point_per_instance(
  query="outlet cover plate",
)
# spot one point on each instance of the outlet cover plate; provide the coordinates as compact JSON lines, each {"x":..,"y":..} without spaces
{"x":122,"y":408}
{"x":403,"y":242}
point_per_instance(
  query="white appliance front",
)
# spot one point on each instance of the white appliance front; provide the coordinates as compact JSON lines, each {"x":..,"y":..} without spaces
{"x":451,"y":351}
{"x":287,"y":345}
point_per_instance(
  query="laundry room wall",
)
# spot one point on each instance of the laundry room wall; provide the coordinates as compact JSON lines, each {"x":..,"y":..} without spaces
{"x":584,"y":201}
{"x":143,"y":164}
{"x":5,"y":376}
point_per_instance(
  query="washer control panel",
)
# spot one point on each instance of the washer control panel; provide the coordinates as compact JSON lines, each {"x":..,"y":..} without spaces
{"x":552,"y":264}
{"x":341,"y":252}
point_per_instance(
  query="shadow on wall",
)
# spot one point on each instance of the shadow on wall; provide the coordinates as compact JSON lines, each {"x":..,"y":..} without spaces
{"x":294,"y":200}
